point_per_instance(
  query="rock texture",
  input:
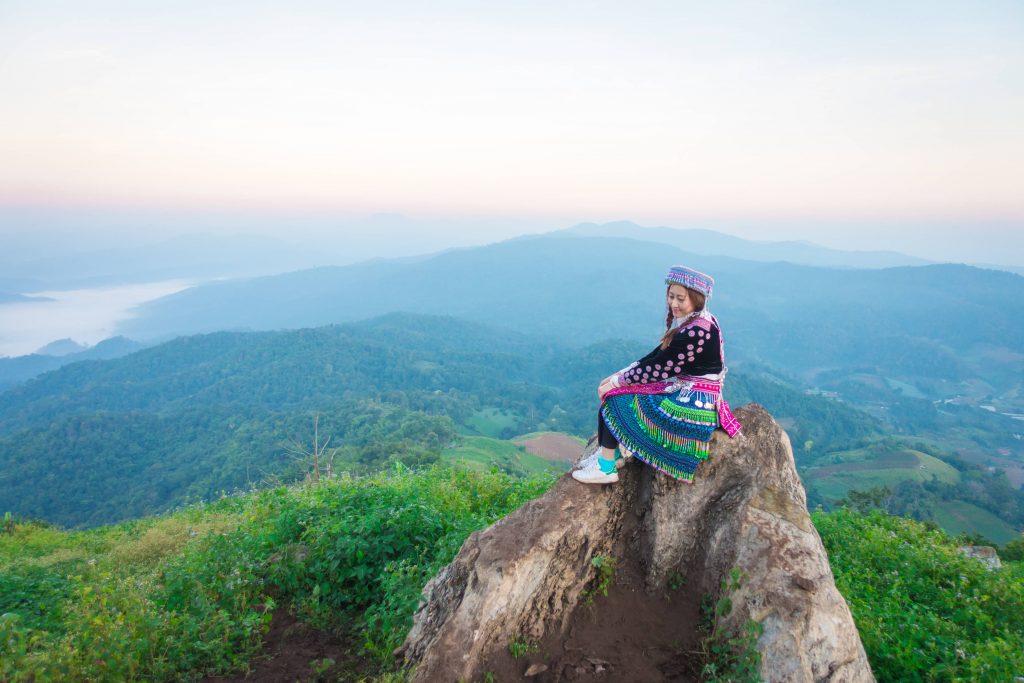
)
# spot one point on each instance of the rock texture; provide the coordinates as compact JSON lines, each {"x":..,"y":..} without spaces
{"x":985,"y":553}
{"x":525,"y":577}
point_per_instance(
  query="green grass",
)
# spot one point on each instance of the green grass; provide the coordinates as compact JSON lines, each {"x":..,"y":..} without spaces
{"x":39,"y":563}
{"x":491,"y":422}
{"x":178,"y":597}
{"x":864,"y":469}
{"x":904,"y":388}
{"x":190,"y":594}
{"x":957,"y":516}
{"x":482,"y":453}
{"x":533,"y":435}
{"x":867,"y":468}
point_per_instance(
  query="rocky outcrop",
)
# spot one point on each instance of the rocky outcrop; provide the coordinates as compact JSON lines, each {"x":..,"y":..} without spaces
{"x":530,"y":577}
{"x":984,"y":553}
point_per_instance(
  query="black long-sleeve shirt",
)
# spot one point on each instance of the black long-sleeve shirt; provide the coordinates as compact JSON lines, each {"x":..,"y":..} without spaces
{"x":695,"y":350}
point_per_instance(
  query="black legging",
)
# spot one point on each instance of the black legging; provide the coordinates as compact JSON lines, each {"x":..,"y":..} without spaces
{"x":604,"y":435}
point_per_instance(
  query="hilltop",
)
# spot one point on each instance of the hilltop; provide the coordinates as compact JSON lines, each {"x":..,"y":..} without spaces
{"x":192,"y":594}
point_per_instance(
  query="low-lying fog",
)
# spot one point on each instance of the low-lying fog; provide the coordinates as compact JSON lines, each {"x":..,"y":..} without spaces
{"x":87,"y":316}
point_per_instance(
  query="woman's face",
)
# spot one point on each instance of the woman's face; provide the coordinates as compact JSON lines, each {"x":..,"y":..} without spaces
{"x":679,"y":301}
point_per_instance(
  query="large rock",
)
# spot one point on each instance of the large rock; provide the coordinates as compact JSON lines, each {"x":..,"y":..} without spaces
{"x":526,"y":578}
{"x":984,"y":553}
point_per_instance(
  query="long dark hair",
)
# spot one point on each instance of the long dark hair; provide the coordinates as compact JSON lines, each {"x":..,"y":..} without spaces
{"x":699,"y":301}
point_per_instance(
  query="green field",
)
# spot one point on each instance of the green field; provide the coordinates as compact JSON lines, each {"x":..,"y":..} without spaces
{"x":491,"y":422}
{"x":868,"y":468}
{"x":533,"y":435}
{"x":481,"y":453}
{"x":904,"y":388}
{"x":957,"y":516}
{"x":864,"y":469}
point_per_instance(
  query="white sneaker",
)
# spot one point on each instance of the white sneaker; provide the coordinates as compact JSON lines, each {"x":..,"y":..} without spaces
{"x":594,"y":475}
{"x":591,"y":460}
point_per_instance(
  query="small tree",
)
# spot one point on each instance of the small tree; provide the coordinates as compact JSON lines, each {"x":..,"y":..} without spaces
{"x":319,"y":460}
{"x":867,"y":500}
{"x":1014,"y":550}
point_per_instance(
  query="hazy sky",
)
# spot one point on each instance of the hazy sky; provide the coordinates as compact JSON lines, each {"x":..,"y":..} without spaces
{"x":854,"y":124}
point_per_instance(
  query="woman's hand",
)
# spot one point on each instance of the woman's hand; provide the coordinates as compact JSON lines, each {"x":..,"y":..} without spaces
{"x":604,"y":388}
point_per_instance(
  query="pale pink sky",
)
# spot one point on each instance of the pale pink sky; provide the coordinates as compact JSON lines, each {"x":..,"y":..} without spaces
{"x":767,"y":113}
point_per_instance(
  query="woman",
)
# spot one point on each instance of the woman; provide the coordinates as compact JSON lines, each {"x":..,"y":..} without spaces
{"x":663,"y":408}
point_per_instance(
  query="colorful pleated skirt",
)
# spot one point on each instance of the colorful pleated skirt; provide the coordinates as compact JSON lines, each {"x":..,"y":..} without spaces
{"x":664,"y":426}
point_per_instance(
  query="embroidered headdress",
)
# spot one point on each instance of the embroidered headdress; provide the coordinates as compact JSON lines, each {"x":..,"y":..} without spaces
{"x":693,"y":279}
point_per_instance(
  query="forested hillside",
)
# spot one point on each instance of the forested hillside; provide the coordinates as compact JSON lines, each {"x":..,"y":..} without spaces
{"x":14,"y":371}
{"x":102,"y":441}
{"x":939,"y":330}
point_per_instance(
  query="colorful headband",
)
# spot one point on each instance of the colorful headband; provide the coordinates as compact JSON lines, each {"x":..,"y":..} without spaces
{"x":693,"y":279}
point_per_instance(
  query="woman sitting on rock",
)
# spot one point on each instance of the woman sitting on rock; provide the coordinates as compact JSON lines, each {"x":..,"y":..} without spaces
{"x":664,"y":407}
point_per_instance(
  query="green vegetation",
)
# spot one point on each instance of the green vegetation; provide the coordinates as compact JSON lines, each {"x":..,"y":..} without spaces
{"x":191,"y":593}
{"x":604,"y":575}
{"x":197,"y":416}
{"x":827,"y":424}
{"x":103,"y":467}
{"x":873,"y":466}
{"x":178,"y":597}
{"x":492,"y":422}
{"x":532,"y":435}
{"x":521,"y":647}
{"x":728,"y":657}
{"x":960,"y":517}
{"x":482,"y":453}
{"x":924,"y":611}
{"x":935,"y":486}
{"x":676,"y":581}
{"x":1014,"y":550}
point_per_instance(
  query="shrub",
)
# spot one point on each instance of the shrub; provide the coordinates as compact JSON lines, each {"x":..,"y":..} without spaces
{"x":191,"y":594}
{"x":924,"y":611}
{"x":1014,"y":550}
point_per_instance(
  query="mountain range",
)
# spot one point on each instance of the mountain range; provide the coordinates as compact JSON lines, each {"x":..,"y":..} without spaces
{"x":931,"y":351}
{"x":944,"y":330}
{"x":712,"y":243}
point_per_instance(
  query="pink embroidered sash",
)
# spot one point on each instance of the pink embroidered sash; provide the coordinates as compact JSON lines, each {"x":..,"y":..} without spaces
{"x":726,"y":420}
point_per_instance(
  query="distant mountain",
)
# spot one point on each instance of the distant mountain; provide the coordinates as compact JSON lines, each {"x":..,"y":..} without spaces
{"x":709,"y":242}
{"x":239,"y":246}
{"x":1019,"y":270}
{"x":14,"y":371}
{"x":945,"y":329}
{"x":61,"y":347}
{"x":182,"y":257}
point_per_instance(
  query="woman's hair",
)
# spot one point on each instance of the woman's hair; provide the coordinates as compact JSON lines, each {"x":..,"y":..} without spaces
{"x":698,"y":300}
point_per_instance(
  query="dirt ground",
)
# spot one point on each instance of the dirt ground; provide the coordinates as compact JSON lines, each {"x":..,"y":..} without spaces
{"x":555,"y":447}
{"x":628,"y":636}
{"x":289,"y":649}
